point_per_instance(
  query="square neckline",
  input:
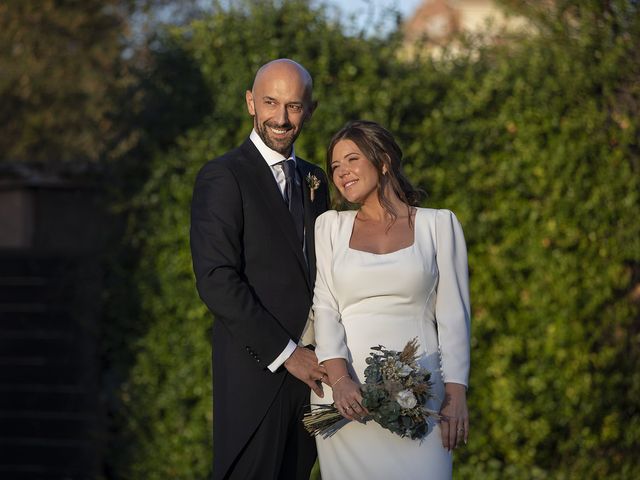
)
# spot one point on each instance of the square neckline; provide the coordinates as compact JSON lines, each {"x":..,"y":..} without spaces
{"x":408,"y":247}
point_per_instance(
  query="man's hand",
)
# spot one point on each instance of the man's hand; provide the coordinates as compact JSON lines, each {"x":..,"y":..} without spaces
{"x":303,"y":364}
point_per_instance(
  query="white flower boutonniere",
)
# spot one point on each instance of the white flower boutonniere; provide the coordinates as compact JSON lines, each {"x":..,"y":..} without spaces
{"x":313,"y":183}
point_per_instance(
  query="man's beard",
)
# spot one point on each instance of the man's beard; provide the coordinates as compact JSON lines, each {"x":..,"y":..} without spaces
{"x":283,"y":146}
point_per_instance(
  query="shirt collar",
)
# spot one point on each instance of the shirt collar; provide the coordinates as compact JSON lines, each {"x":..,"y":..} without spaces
{"x":270,"y":156}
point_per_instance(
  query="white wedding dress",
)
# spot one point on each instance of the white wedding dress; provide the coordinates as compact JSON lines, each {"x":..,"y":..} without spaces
{"x":364,"y":299}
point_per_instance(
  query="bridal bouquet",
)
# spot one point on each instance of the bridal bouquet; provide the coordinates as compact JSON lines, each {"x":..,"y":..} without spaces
{"x":395,"y":391}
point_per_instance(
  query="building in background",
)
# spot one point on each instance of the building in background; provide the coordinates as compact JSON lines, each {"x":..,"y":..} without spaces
{"x":437,"y":23}
{"x":52,"y":236}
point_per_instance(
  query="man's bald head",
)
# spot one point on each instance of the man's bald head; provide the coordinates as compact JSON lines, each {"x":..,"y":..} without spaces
{"x":284,"y":67}
{"x":280,"y":101}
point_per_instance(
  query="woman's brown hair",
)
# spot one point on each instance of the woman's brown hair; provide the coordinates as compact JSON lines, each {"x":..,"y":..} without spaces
{"x":381,"y":149}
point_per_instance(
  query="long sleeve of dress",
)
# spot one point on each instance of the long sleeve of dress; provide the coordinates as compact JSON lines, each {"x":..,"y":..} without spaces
{"x":329,"y":331}
{"x":452,"y":301}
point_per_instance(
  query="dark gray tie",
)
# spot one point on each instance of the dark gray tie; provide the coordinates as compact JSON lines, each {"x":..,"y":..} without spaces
{"x":293,"y":197}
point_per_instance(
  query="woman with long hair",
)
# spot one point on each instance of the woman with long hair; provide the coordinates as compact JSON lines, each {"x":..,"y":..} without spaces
{"x":388,"y":272}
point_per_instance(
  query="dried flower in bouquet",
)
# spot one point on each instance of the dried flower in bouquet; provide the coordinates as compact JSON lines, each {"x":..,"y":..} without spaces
{"x":395,"y":392}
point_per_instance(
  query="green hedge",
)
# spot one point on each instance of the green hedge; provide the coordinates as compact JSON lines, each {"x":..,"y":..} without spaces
{"x":533,"y":142}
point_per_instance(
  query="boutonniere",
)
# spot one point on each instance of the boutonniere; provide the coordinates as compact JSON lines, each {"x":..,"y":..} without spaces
{"x":313,"y":183}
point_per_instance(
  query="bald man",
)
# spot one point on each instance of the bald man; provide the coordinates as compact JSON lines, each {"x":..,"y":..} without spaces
{"x":252,"y":218}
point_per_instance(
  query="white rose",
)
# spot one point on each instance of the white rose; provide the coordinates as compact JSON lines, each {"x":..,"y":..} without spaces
{"x":406,"y":399}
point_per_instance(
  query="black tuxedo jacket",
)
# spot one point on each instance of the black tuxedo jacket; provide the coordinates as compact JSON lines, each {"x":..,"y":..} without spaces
{"x":253,"y":275}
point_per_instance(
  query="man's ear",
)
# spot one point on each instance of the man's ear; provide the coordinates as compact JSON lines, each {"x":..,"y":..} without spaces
{"x":250,"y":105}
{"x":314,"y":105}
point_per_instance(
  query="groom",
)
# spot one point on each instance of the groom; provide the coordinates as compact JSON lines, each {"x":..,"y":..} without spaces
{"x":252,"y":219}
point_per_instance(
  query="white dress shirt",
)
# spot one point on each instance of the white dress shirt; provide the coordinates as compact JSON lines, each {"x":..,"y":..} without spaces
{"x":274,"y":160}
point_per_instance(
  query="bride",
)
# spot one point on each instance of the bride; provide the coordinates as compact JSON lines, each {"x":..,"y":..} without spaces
{"x":386,"y":273}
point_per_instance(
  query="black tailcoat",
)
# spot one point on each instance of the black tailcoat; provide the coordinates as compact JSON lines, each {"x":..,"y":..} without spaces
{"x":253,"y":275}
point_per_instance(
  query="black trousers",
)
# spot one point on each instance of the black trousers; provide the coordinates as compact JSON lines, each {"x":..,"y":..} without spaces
{"x":280,"y":449}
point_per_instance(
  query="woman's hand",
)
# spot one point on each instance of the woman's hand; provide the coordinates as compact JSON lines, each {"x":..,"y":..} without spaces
{"x":347,"y":398}
{"x":455,"y":416}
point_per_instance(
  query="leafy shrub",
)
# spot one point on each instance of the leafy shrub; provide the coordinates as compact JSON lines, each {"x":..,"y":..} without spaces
{"x":533,"y":142}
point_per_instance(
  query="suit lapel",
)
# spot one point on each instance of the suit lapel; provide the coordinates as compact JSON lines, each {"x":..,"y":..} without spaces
{"x":309,"y":218}
{"x":264,"y":183}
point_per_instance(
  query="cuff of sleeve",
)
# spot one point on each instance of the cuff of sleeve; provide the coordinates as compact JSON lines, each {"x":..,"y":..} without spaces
{"x":286,"y":353}
{"x":460,"y":382}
